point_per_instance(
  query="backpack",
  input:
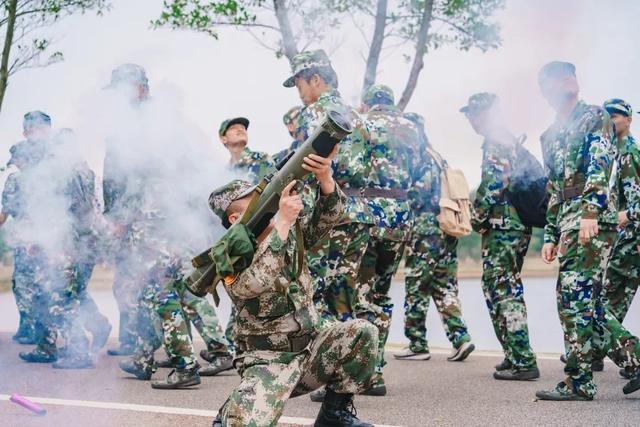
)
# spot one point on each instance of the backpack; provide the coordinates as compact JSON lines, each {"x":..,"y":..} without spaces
{"x":455,"y":207}
{"x":527,"y":190}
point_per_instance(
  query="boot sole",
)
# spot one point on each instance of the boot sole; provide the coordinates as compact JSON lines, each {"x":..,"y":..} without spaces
{"x":632,"y":386}
{"x":376,"y":391}
{"x":529,"y":377}
{"x":463,"y":355}
{"x":417,"y":356}
{"x":213,"y":373}
{"x":185,"y":384}
{"x":572,"y":398}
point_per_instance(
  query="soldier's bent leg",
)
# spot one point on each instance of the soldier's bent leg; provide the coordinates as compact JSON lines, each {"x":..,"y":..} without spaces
{"x":623,"y":275}
{"x":203,"y":316}
{"x":445,"y":293}
{"x":581,"y":271}
{"x":126,"y":288}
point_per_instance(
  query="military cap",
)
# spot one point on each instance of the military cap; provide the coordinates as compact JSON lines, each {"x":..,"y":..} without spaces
{"x":305,"y":61}
{"x":376,"y":94}
{"x":16,"y":153}
{"x":128,"y":73}
{"x":479,"y":102}
{"x":226,"y":124}
{"x":555,"y":69}
{"x":618,"y":106}
{"x":222,"y":197}
{"x":34,"y":119}
{"x":291,"y":115}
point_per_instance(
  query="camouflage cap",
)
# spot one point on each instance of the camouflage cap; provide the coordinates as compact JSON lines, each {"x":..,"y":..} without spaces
{"x":222,"y":197}
{"x":479,"y":102}
{"x":304,"y":61}
{"x":555,"y":69}
{"x":291,"y":115}
{"x":128,"y":73}
{"x":34,"y":119}
{"x":618,"y":106}
{"x":376,"y":94}
{"x":226,"y":124}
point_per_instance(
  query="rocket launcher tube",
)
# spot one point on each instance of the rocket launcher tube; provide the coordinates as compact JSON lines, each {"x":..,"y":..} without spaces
{"x":333,"y":128}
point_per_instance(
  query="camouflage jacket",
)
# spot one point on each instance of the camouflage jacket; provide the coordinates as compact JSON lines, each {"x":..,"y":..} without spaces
{"x":491,"y":208}
{"x":352,"y":164}
{"x":629,"y":178}
{"x":282,"y":154}
{"x":273,"y":300}
{"x":395,"y":159}
{"x":253,"y":164}
{"x":578,"y":153}
{"x":425,"y":196}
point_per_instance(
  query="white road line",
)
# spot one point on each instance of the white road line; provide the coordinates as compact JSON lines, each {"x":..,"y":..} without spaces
{"x":148,"y":408}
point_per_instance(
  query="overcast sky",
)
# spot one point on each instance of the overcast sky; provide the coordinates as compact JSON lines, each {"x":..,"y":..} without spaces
{"x":214,"y":80}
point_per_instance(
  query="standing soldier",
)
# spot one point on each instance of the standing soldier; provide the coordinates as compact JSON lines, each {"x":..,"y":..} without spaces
{"x":623,"y":270}
{"x":505,"y":240}
{"x":432,"y":264}
{"x":290,"y":120}
{"x":335,"y":261}
{"x":582,"y":219}
{"x":395,"y":157}
{"x":233,"y":135}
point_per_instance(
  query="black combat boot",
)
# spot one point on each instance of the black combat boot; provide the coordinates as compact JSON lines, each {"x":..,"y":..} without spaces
{"x":223,"y":362}
{"x":164,"y":363}
{"x":318,"y":395}
{"x":38,"y":356}
{"x":514,"y":374}
{"x":597,"y":365}
{"x":504,"y":365}
{"x":624,"y":374}
{"x":338,"y":411}
{"x":633,"y":384}
{"x":137,"y":370}
{"x":179,"y":378}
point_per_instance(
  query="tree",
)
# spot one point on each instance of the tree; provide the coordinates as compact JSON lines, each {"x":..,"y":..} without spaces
{"x":422,"y":25}
{"x":21,"y":23}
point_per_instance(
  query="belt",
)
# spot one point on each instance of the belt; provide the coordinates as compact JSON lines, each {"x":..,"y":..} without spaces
{"x":571,"y":192}
{"x":391,"y":193}
{"x":294,"y":344}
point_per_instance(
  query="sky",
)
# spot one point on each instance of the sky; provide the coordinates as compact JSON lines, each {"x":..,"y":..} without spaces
{"x":210,"y":80}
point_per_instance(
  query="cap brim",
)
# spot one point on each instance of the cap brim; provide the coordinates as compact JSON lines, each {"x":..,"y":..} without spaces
{"x":238,"y":120}
{"x":290,"y":82}
{"x":465,"y":109}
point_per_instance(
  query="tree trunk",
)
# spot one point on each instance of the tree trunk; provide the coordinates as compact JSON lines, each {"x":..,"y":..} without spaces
{"x":12,"y":7}
{"x":288,"y":40}
{"x":376,"y":45}
{"x":418,"y":60}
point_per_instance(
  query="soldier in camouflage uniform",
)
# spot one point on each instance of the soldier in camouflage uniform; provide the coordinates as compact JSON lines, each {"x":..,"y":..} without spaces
{"x":432,"y":265}
{"x":13,"y":205}
{"x":253,"y":164}
{"x":582,"y":219}
{"x":505,"y":240}
{"x":335,"y":261}
{"x":283,"y":353}
{"x":290,"y":120}
{"x":395,"y":158}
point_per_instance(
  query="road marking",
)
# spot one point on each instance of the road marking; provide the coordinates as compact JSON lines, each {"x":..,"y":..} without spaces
{"x":148,"y":408}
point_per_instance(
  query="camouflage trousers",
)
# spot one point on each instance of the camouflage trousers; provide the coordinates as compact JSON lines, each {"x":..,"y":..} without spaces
{"x":503,"y":253}
{"x":24,"y":289}
{"x":57,"y":303}
{"x":589,"y":328}
{"x":622,"y":275}
{"x":334,"y":266}
{"x":147,"y":335}
{"x":127,"y":287}
{"x":204,"y":318}
{"x":379,"y":264}
{"x":342,"y":356}
{"x":432,"y":272}
{"x":91,"y":317}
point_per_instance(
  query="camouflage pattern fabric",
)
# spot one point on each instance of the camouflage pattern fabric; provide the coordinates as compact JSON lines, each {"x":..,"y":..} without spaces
{"x":503,"y":253}
{"x":203,"y":317}
{"x":589,"y":328}
{"x":253,"y":165}
{"x":334,"y":266}
{"x":379,"y":263}
{"x":342,"y":356}
{"x":623,"y":269}
{"x":491,"y":209}
{"x":579,"y":153}
{"x":432,"y":272}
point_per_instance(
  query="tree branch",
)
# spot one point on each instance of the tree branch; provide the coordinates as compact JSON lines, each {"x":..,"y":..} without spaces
{"x":376,"y":45}
{"x":288,"y":40}
{"x":6,"y":49}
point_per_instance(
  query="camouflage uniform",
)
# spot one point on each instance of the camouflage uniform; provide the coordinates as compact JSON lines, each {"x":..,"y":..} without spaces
{"x":431,"y":263}
{"x":579,"y":157}
{"x":395,"y":156}
{"x":623,"y":270}
{"x":505,"y":240}
{"x":289,"y":118}
{"x":283,"y":353}
{"x":253,"y":164}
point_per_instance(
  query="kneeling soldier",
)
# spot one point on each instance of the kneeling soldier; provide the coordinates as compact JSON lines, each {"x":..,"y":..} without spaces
{"x":282,"y":352}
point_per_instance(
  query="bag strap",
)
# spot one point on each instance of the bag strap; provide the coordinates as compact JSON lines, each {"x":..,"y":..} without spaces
{"x":442,"y":163}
